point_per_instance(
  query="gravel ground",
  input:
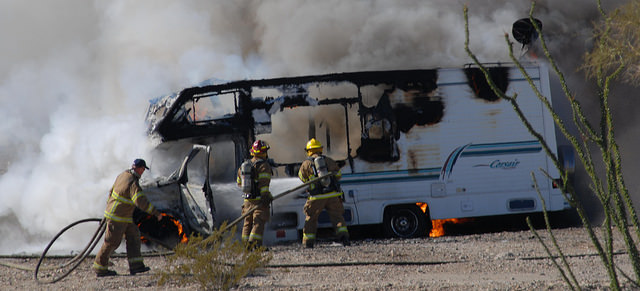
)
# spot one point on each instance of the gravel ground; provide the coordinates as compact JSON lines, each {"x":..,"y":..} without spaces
{"x":503,"y":260}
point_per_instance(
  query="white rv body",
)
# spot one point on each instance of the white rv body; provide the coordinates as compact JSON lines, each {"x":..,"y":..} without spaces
{"x":406,"y":138}
{"x":477,"y":161}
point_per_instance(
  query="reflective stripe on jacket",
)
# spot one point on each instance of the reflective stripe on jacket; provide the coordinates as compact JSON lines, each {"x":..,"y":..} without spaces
{"x":306,"y":173}
{"x":126,"y":195}
{"x":263,"y":178}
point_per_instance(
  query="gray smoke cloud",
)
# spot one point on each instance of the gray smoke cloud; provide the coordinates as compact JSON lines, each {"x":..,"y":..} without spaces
{"x":76,"y":76}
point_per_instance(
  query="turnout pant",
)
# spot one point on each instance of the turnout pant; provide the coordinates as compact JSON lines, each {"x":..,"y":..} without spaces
{"x":313,"y":208}
{"x":254,"y":224}
{"x":112,"y":239}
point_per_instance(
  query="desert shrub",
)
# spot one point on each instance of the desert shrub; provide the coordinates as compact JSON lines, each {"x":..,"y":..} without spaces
{"x":217,"y":262}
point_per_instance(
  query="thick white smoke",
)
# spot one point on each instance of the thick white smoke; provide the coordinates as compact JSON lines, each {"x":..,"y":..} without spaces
{"x":76,"y":76}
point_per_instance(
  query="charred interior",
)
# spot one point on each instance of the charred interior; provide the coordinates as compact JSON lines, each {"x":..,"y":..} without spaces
{"x":168,"y":232}
{"x":241,"y":110}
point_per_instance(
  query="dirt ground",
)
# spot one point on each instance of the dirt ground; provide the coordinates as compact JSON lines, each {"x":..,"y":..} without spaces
{"x":501,"y":260}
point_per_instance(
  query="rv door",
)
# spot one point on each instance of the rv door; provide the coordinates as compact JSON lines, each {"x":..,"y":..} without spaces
{"x":196,"y":195}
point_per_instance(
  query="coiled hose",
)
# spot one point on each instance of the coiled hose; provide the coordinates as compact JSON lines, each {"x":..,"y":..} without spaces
{"x":74,"y":262}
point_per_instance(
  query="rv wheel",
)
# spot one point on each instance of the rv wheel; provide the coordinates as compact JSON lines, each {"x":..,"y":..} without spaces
{"x":404,"y":222}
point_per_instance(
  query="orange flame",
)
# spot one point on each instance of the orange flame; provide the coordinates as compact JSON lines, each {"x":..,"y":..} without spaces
{"x":423,"y":206}
{"x":437,"y":225}
{"x":183,"y":236}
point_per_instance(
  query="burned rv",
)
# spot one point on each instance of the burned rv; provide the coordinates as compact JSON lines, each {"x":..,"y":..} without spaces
{"x":404,"y":138}
{"x":185,"y":199}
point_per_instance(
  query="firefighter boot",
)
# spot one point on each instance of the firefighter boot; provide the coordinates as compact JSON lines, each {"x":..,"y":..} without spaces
{"x":102,"y":271}
{"x":140,"y":269}
{"x":345,"y":241}
{"x":107,"y":273}
{"x":254,"y":245}
{"x":308,"y":244}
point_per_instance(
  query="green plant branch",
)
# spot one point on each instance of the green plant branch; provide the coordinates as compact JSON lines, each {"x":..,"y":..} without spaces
{"x":613,"y":195}
{"x":574,"y":281}
{"x":552,"y":257}
{"x":611,"y":156}
{"x":608,"y":260}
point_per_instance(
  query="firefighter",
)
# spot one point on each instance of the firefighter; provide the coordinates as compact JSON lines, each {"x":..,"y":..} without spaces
{"x":325,"y":194}
{"x":124,"y":197}
{"x":254,"y":177}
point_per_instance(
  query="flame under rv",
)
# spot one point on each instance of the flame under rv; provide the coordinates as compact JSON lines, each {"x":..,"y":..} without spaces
{"x":403,"y":137}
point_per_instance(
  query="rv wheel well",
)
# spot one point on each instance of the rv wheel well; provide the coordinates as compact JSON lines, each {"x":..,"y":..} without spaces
{"x":418,"y":206}
{"x":406,"y":220}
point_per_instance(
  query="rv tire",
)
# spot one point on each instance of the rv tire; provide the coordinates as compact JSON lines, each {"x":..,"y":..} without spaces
{"x":404,"y":221}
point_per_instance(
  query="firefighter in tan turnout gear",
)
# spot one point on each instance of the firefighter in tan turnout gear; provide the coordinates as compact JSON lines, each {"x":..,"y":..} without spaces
{"x":125,"y":196}
{"x":254,"y":176}
{"x":325,"y":194}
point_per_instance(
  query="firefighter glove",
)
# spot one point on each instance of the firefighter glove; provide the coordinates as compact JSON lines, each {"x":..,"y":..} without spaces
{"x":266,"y":199}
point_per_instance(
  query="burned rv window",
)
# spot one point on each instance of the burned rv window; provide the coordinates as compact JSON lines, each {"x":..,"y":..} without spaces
{"x":210,"y":107}
{"x":479,"y":85}
{"x":371,"y":94}
{"x":401,"y":106}
{"x":264,"y":93}
{"x":379,"y":131}
{"x":316,"y":109}
{"x":332,"y":90}
{"x":422,"y":111}
{"x":417,"y":103}
{"x":293,"y":127}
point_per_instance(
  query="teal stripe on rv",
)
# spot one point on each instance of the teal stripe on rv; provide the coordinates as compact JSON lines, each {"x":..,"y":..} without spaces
{"x":390,"y":176}
{"x":502,"y":148}
{"x":486,"y":149}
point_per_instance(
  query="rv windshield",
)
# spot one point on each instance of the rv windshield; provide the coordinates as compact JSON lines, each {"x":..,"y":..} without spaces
{"x":210,"y":107}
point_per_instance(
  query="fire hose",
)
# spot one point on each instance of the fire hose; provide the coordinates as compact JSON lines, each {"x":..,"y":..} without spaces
{"x":252,"y":209}
{"x":76,"y":260}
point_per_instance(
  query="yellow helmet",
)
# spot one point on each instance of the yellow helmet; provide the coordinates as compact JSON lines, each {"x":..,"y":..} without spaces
{"x":313,"y":147}
{"x":313,"y":144}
